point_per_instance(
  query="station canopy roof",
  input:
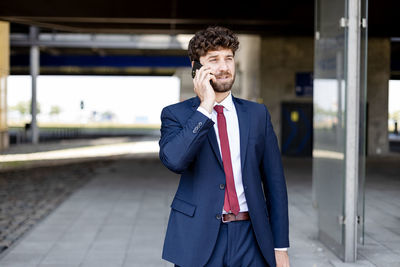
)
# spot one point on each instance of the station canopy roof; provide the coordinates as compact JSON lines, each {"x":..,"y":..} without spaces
{"x":173,"y":19}
{"x":265,"y":17}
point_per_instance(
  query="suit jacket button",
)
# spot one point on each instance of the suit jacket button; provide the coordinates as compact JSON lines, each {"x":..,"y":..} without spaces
{"x":222,"y":186}
{"x":218,"y":216}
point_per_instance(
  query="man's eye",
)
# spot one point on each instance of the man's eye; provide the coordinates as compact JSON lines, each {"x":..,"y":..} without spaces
{"x":213,"y":60}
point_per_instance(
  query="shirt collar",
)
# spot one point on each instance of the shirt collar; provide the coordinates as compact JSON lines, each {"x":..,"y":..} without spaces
{"x":227,"y":102}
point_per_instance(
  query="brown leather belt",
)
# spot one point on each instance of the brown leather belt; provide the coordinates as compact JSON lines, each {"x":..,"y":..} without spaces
{"x":242,"y":216}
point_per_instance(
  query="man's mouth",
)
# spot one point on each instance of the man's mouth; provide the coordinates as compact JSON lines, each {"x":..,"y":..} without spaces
{"x":223,"y":77}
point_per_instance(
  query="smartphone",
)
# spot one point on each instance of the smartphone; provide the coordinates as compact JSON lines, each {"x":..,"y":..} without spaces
{"x":196,"y":65}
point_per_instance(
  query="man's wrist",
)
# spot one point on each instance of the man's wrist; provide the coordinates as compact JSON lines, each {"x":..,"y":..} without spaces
{"x":204,"y":112}
{"x":207,"y":106}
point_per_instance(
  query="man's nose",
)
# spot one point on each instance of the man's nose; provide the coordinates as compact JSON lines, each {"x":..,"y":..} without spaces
{"x":223,"y":66}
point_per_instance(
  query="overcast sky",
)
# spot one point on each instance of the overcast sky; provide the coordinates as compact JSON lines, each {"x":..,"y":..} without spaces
{"x":131,"y":99}
{"x":394,"y":95}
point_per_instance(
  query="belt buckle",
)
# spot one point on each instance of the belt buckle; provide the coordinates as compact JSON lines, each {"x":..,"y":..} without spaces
{"x":222,"y":217}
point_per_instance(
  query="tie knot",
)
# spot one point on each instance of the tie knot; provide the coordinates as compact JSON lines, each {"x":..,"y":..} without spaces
{"x":219,"y":109}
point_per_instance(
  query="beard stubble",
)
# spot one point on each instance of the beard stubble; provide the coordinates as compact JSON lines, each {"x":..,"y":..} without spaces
{"x":220,"y":87}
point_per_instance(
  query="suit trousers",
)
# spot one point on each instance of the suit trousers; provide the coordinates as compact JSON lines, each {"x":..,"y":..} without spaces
{"x":236,"y":246}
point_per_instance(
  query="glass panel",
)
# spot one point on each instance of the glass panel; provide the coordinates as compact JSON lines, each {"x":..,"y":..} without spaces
{"x":329,"y":121}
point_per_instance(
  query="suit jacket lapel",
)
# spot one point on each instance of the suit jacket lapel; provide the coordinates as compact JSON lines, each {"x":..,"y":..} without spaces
{"x":212,"y":138}
{"x":244,"y":125}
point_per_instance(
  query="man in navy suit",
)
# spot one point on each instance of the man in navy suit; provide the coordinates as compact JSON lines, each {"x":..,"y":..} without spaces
{"x":231,"y":206}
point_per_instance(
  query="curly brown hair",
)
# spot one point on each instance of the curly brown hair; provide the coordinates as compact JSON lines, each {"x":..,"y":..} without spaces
{"x":211,"y":39}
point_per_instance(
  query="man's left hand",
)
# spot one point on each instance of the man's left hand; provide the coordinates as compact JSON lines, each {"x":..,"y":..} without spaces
{"x":282,"y":258}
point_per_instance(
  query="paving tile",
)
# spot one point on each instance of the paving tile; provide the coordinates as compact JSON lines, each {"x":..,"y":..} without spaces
{"x":21,"y":259}
{"x":70,"y":257}
{"x":119,"y":219}
{"x":147,"y":264}
{"x":105,"y":259}
{"x":71,"y":246}
{"x":149,"y":258}
{"x":109,"y":246}
{"x":359,"y":263}
{"x":309,"y":263}
{"x":38,"y":247}
{"x":58,"y":265}
{"x":78,"y":236}
{"x":43,"y":236}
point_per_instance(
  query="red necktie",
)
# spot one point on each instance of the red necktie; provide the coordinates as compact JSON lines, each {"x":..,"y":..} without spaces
{"x":231,"y":203}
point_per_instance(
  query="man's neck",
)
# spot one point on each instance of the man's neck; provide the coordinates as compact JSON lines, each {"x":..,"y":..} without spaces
{"x":219,"y":97}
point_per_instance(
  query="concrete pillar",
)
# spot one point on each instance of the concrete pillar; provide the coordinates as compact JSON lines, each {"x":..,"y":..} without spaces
{"x":34,"y":70}
{"x":248,"y":61}
{"x":281,"y":59}
{"x":184,"y":74}
{"x":377,"y":95}
{"x":4,"y":72}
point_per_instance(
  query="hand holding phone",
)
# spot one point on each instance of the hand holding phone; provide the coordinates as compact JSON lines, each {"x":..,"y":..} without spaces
{"x":196,"y":66}
{"x":203,"y":90}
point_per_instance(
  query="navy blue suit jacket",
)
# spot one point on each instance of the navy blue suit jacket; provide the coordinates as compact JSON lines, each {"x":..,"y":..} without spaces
{"x":188,"y":146}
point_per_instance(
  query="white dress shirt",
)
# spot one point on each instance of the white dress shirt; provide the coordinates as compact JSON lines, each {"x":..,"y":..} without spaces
{"x":232,"y":126}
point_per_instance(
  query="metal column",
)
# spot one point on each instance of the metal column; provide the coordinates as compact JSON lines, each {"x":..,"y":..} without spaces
{"x":34,"y":71}
{"x":352,"y":130}
{"x":339,"y":119}
{"x":4,"y":72}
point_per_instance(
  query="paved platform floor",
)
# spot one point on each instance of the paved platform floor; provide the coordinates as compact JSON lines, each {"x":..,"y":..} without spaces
{"x":119,"y":219}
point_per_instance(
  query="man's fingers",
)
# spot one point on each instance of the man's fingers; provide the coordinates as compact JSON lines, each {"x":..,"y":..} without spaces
{"x":203,"y":74}
{"x":202,"y":71}
{"x":202,"y":81}
{"x":213,"y":78}
{"x":198,"y":78}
